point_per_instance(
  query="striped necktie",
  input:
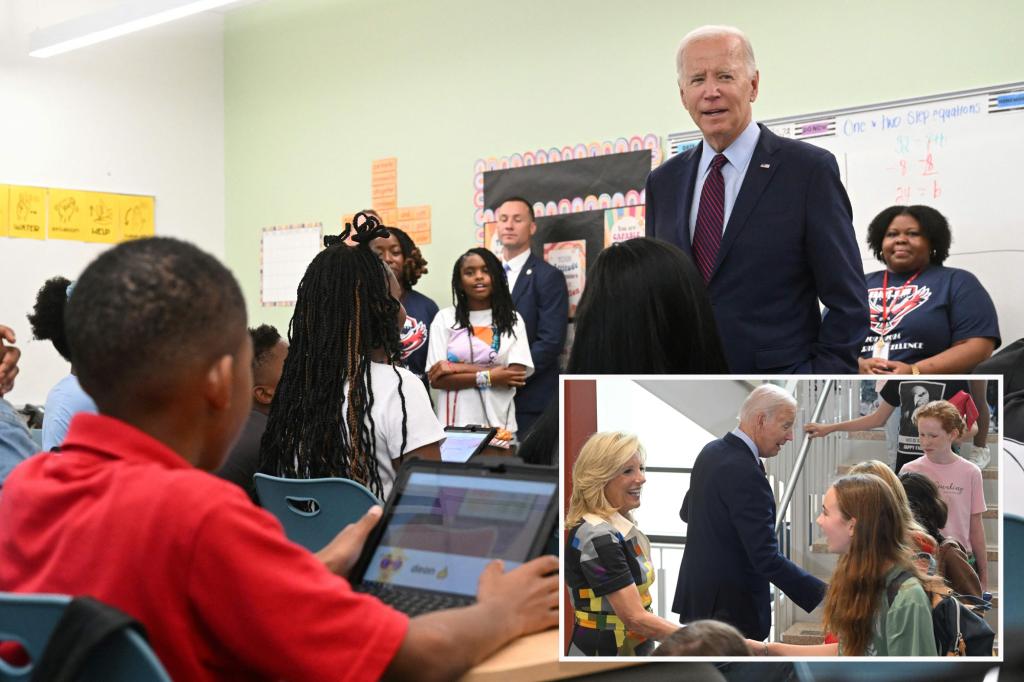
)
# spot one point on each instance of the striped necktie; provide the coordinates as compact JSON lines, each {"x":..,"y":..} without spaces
{"x":707,"y":236}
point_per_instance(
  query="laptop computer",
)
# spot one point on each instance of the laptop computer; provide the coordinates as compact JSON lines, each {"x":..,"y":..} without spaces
{"x":445,"y":521}
{"x":462,"y":442}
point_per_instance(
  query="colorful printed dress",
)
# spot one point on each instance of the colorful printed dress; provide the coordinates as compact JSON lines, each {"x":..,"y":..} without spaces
{"x":603,"y":556}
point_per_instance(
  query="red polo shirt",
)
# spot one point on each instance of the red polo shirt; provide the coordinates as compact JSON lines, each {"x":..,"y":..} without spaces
{"x":223,"y":595}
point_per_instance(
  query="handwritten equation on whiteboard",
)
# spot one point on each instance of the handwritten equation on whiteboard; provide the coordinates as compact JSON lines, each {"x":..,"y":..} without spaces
{"x":285,"y":253}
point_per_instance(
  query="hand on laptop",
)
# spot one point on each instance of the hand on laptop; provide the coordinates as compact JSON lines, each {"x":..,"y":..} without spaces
{"x":8,"y":360}
{"x":340,"y":555}
{"x":528,"y":593}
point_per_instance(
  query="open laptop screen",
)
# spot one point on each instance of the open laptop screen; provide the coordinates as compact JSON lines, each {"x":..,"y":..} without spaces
{"x":445,"y":528}
{"x":459,"y":445}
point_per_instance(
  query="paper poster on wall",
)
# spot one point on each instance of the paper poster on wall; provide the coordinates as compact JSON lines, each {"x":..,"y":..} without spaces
{"x":67,"y":215}
{"x":28,"y":212}
{"x":623,"y":223}
{"x":285,"y":253}
{"x":101,"y":212}
{"x":415,"y":222}
{"x":384,"y":183}
{"x":571,"y":259}
{"x":491,"y":240}
{"x":136,"y":216}
{"x":5,"y":215}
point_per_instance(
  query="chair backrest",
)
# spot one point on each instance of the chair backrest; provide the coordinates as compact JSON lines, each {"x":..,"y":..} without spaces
{"x":313,"y":511}
{"x":30,"y":619}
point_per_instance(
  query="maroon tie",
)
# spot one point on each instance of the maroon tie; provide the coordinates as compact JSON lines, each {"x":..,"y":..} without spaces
{"x":710,"y":217}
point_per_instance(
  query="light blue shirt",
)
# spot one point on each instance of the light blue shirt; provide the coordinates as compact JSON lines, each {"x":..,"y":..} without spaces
{"x":750,"y":443}
{"x":16,"y":444}
{"x":64,"y":401}
{"x":738,"y":156}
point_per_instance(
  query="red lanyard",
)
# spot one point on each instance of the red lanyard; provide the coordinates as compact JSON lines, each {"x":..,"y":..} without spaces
{"x":885,"y":303}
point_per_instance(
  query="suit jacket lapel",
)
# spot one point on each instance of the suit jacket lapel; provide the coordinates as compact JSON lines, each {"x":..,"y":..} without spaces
{"x":684,"y":181}
{"x":759,"y":173}
{"x":522,"y":280}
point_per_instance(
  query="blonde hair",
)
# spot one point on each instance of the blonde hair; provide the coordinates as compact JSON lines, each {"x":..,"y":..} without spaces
{"x":600,"y":460}
{"x":911,"y":526}
{"x":945,"y":412}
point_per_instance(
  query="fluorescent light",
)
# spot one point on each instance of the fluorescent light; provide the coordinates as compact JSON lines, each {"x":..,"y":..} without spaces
{"x":128,"y":17}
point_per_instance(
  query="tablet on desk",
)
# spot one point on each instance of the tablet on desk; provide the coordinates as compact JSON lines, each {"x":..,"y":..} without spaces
{"x":462,"y":442}
{"x":444,"y":522}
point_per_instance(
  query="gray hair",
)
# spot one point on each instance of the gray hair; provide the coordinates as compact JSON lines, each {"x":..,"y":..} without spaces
{"x":765,"y":399}
{"x":716,"y":32}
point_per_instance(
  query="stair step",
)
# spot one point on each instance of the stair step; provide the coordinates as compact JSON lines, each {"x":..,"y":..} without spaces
{"x":879,"y":434}
{"x":992,"y":512}
{"x":804,"y":633}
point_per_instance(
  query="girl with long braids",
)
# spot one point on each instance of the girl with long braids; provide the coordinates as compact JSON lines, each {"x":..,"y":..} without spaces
{"x":862,"y":521}
{"x":478,"y":352}
{"x":344,"y":406}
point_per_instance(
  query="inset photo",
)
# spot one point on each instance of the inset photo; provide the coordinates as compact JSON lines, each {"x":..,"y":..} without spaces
{"x":801,"y":518}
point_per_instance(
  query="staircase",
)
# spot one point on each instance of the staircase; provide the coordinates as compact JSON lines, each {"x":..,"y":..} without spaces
{"x":840,"y":452}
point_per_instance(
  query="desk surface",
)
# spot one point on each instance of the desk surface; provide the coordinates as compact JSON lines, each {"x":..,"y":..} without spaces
{"x":534,"y":657}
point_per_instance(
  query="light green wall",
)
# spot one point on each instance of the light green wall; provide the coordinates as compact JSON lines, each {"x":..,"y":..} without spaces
{"x":316,"y":89}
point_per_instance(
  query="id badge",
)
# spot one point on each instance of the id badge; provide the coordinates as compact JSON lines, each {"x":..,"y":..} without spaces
{"x":881,"y":349}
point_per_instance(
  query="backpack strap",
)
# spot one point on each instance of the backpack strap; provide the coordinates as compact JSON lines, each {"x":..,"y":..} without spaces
{"x":84,"y":625}
{"x":893,"y":588}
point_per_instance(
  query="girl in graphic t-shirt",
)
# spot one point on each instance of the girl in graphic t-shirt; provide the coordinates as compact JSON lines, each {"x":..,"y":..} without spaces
{"x":939,"y":425}
{"x":478,"y":351}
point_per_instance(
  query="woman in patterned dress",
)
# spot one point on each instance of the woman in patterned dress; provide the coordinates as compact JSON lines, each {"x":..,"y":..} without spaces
{"x":608,"y":568}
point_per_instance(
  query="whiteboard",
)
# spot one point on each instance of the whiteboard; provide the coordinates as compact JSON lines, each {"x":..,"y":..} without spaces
{"x":961,"y":153}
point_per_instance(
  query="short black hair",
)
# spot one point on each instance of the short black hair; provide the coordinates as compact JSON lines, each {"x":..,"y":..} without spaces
{"x":934,"y":227}
{"x":521,"y":200}
{"x":264,"y":338}
{"x":645,"y":311}
{"x":47,"y":316}
{"x":146,"y":309}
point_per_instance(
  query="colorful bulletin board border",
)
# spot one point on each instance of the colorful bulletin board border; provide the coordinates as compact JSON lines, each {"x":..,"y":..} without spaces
{"x":53,"y":213}
{"x":620,"y":145}
{"x":285,"y":253}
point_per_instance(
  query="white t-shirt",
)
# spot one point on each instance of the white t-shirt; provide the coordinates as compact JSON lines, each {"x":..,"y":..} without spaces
{"x":491,"y":406}
{"x":421,"y":425}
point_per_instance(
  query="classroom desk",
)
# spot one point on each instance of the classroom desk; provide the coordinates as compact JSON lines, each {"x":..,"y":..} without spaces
{"x":534,"y":657}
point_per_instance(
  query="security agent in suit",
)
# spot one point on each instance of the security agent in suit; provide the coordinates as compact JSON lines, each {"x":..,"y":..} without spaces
{"x":788,"y":236}
{"x":541,"y":298}
{"x":731,"y":549}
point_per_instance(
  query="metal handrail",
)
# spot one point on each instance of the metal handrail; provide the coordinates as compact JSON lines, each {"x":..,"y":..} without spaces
{"x":798,"y":466}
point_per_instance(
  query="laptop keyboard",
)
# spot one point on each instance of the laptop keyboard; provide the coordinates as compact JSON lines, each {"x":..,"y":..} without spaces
{"x":414,"y":602}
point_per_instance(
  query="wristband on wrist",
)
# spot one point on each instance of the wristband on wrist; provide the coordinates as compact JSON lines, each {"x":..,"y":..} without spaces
{"x":766,"y":648}
{"x":915,"y":370}
{"x":483,"y":379}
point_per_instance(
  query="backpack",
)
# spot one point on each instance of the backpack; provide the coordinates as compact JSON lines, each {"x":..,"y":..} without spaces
{"x":958,"y":630}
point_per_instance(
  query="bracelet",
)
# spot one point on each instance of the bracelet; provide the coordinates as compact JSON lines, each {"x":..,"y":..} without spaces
{"x":765,"y":648}
{"x":915,"y":370}
{"x":483,"y":379}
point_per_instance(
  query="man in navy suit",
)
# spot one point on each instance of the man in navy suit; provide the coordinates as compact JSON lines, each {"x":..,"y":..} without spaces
{"x":765,"y":219}
{"x":731,"y":549}
{"x":541,"y":298}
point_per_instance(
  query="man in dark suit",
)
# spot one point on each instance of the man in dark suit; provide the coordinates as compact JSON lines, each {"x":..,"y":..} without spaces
{"x":731,"y":549}
{"x":541,"y":298}
{"x":765,"y":219}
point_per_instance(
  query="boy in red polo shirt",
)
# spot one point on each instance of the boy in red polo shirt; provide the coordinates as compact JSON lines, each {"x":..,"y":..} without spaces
{"x":126,"y":512}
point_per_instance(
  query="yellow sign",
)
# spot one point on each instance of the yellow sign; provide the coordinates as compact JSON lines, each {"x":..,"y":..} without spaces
{"x":101,"y":215}
{"x":67,"y":215}
{"x":5,"y":215}
{"x":137,"y":216}
{"x":27,"y":209}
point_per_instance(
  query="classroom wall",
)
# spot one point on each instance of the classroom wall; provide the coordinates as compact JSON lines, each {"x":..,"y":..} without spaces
{"x":317,"y":89}
{"x":143,"y":114}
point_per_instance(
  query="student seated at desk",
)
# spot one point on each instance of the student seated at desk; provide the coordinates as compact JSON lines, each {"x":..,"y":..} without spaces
{"x":127,"y":513}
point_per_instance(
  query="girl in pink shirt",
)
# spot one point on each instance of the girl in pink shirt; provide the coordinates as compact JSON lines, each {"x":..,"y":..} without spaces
{"x":939,"y":425}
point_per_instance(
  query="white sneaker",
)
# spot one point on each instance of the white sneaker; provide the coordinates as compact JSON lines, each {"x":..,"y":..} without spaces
{"x":979,"y":455}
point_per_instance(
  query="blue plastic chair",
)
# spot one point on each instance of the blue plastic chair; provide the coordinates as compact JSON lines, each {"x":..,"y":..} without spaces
{"x":30,"y":619}
{"x":1011,"y":601}
{"x":313,"y":510}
